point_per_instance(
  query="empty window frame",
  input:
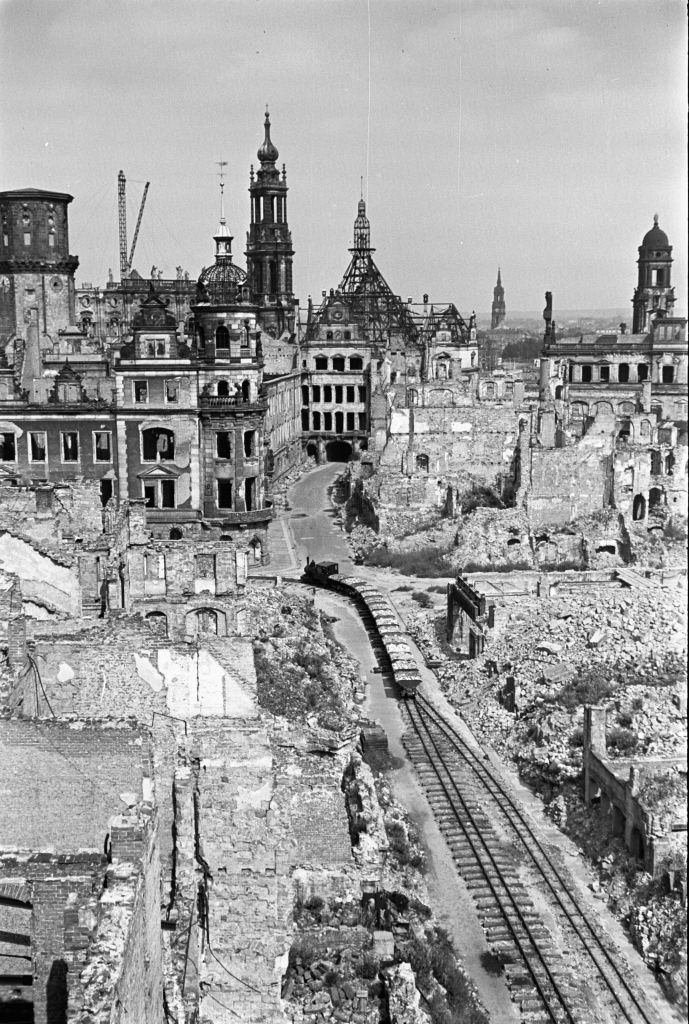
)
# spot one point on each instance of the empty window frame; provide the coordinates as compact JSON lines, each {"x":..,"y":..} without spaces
{"x":350,"y":393}
{"x":321,"y":362}
{"x":668,"y":374}
{"x":172,"y":391}
{"x":37,"y":446}
{"x":250,"y":444}
{"x":205,"y":566}
{"x":316,"y":393}
{"x":223,"y":444}
{"x":224,"y":493}
{"x":327,"y":421}
{"x":140,"y":392}
{"x":69,"y":446}
{"x":350,"y":421}
{"x":586,"y":373}
{"x":158,"y":445}
{"x":8,"y":448}
{"x":623,"y":373}
{"x":327,"y":393}
{"x":102,"y":446}
{"x":356,"y":363}
{"x":338,"y":393}
{"x":362,"y":393}
{"x":604,"y":374}
{"x":338,"y":364}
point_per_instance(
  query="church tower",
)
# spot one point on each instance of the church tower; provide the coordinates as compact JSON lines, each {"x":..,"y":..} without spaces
{"x":498,"y":307}
{"x":654,"y":294}
{"x":269,"y":242}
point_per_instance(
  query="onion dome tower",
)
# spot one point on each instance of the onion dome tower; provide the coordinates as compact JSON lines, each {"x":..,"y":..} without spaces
{"x":269,"y":241}
{"x":654,"y":294}
{"x":498,"y":308}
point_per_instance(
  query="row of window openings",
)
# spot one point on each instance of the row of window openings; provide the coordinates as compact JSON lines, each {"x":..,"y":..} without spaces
{"x":346,"y":392}
{"x":69,"y":447}
{"x":204,"y":566}
{"x":354,"y":421}
{"x":27,"y":239}
{"x":223,"y":336}
{"x":223,"y":444}
{"x":623,"y":373}
{"x":172,"y":390}
{"x":158,"y":445}
{"x":355,"y":362}
{"x":161,"y":494}
{"x":266,"y":207}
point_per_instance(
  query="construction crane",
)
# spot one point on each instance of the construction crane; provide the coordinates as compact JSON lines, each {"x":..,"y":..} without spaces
{"x":127,"y":260}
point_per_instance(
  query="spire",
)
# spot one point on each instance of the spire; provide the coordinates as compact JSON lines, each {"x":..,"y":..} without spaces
{"x":499,"y":281}
{"x":362,"y":228}
{"x":223,"y":231}
{"x":267,"y":153}
{"x":655,"y":220}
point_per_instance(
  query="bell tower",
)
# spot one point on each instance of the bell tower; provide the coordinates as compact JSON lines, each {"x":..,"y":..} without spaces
{"x":654,"y":294}
{"x":269,"y":241}
{"x":498,"y":308}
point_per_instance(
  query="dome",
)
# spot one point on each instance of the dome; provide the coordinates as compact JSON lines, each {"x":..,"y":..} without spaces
{"x":267,"y":153}
{"x":218,"y":284}
{"x":655,"y":238}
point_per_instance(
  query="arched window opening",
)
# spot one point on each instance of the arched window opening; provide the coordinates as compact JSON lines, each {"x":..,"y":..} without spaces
{"x":246,"y":390}
{"x":639,"y":508}
{"x":222,"y":340}
{"x":625,"y":431}
{"x":256,"y":549}
{"x":176,"y":533}
{"x":422,"y":463}
{"x":558,"y":391}
{"x":656,"y":498}
{"x":669,"y":466}
{"x":158,"y":444}
{"x":316,"y":420}
{"x":206,"y":621}
{"x":645,"y":430}
{"x":339,"y":422}
{"x":157,"y":621}
{"x":223,"y":389}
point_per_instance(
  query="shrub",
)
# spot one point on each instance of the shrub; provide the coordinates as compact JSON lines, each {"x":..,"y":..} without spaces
{"x":422,"y":598}
{"x":576,"y":738}
{"x":492,"y":964}
{"x":621,"y":739}
{"x":369,"y":966}
{"x":624,"y":719}
{"x":582,"y":690}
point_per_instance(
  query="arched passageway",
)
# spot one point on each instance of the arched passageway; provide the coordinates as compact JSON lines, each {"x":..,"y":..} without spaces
{"x":338,"y":451}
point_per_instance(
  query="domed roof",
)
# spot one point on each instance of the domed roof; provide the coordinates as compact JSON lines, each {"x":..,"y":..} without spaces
{"x":218,"y":284}
{"x":655,"y":238}
{"x":267,"y":153}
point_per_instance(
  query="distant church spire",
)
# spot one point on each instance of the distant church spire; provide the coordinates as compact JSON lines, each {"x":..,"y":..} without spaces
{"x":498,"y":307}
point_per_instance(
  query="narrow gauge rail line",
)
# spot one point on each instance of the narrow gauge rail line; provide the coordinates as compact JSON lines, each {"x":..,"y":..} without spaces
{"x":425,"y":718}
{"x":554,"y":1000}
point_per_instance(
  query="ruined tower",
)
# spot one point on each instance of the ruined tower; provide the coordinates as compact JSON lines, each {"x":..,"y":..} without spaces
{"x":36,"y":269}
{"x":498,"y":308}
{"x":654,"y":294}
{"x":269,"y":241}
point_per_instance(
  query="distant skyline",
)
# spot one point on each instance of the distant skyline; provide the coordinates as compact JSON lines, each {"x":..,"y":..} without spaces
{"x":540,"y":137}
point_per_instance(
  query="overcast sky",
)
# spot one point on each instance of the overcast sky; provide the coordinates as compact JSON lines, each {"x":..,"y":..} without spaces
{"x":538,"y":136}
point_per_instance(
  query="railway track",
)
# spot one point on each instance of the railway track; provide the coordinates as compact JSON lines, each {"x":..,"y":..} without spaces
{"x":501,"y":859}
{"x":560,"y":964}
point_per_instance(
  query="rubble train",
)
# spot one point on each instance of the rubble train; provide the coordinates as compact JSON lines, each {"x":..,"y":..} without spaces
{"x":395,"y":654}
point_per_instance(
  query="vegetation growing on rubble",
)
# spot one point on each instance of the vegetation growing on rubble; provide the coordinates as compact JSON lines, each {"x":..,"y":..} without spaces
{"x":428,"y":562}
{"x":434,"y":963}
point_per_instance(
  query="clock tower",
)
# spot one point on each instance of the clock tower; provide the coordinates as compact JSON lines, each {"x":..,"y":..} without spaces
{"x":36,"y":269}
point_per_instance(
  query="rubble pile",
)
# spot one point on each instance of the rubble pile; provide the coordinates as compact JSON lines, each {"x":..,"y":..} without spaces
{"x":336,"y":985}
{"x":302,"y":672}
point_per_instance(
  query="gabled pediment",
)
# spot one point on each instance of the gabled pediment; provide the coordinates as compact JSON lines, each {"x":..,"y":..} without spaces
{"x":161,"y":471}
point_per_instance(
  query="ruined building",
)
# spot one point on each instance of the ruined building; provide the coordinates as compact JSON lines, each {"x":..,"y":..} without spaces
{"x":173,"y":412}
{"x":363,"y":337}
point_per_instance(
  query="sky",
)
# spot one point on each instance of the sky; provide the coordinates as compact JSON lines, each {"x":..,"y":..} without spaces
{"x":540,"y":136}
